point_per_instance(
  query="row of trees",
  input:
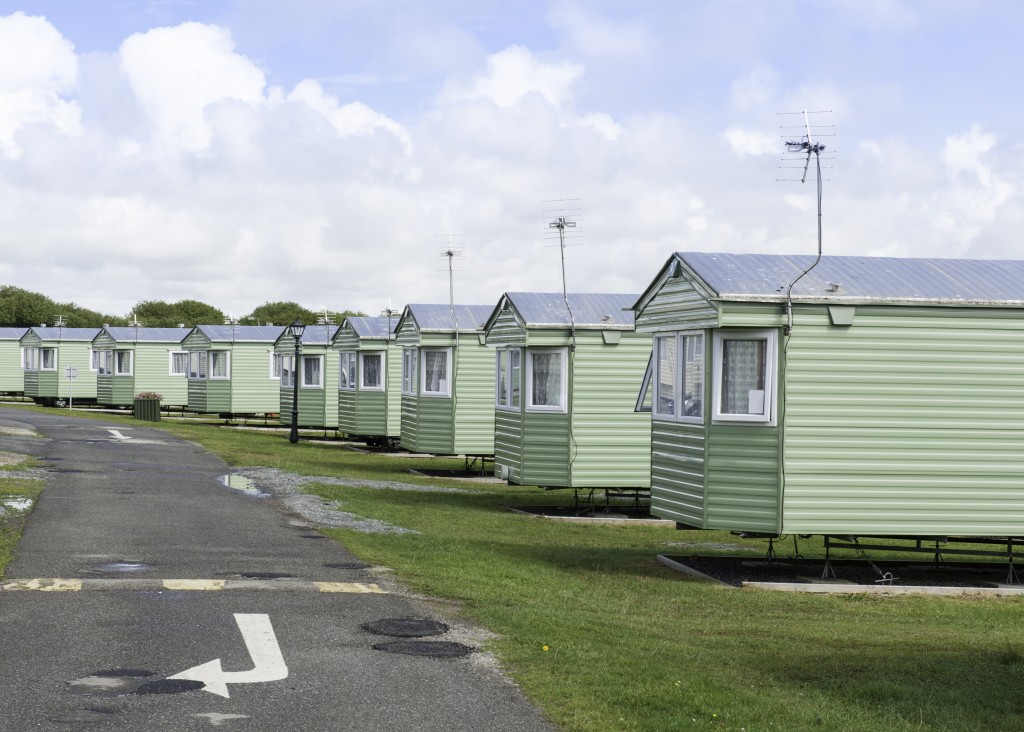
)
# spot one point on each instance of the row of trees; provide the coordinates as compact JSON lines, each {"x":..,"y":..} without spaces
{"x":23,"y":309}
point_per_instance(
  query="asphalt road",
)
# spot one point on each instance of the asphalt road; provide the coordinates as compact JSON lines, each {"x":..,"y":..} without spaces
{"x":138,"y":565}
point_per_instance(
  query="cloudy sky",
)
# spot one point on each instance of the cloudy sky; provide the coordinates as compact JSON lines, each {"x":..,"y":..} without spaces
{"x":326,"y":151}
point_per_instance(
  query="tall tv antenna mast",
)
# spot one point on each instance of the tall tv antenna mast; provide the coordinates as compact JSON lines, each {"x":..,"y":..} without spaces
{"x":560,"y":219}
{"x":451,"y":253}
{"x":801,"y":150}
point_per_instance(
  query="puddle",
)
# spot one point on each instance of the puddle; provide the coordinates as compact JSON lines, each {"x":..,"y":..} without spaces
{"x":15,"y":505}
{"x":120,"y":566}
{"x":241,"y":484}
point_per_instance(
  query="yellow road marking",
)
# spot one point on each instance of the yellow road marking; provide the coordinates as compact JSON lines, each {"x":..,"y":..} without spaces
{"x":44,"y":585}
{"x":193,"y":584}
{"x":356,"y":587}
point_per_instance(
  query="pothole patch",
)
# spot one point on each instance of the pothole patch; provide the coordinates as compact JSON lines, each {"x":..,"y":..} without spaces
{"x":111,"y":682}
{"x":346,"y":565}
{"x":89,"y":715}
{"x":425,"y":649}
{"x":405,"y":627}
{"x":170,"y":686}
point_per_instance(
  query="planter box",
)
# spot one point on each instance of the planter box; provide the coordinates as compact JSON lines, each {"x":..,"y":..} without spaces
{"x":147,"y":410}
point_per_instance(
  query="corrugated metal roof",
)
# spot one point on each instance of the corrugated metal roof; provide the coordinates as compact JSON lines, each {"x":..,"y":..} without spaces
{"x":589,"y":310}
{"x":318,"y":335}
{"x":873,"y":279}
{"x":66,"y":334}
{"x":162,"y":335}
{"x":373,"y":327}
{"x":439,"y":317}
{"x":12,"y":333}
{"x":232,"y":333}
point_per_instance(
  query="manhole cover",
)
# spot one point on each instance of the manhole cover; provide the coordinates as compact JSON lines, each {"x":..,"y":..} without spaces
{"x":405,"y":627}
{"x":428,"y":649}
{"x":345,"y":565}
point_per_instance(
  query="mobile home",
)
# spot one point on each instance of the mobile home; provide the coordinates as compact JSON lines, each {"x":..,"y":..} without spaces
{"x":447,"y":380}
{"x":317,"y":374}
{"x":370,"y":380}
{"x":12,"y":364}
{"x":233,"y":370}
{"x":131,"y":360}
{"x":567,"y":373}
{"x":58,"y":364}
{"x":856,"y":396}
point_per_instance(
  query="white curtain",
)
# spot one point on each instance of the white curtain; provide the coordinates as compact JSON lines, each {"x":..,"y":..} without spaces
{"x":435,"y":371}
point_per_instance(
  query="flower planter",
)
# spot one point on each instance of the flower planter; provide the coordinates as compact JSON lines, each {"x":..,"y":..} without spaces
{"x":148,"y":410}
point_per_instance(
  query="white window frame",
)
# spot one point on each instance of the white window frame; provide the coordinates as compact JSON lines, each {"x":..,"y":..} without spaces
{"x":227,"y":365}
{"x":445,"y":389}
{"x":93,"y":362}
{"x":170,"y":363}
{"x":564,"y":366}
{"x":117,"y":363}
{"x":509,"y":399}
{"x":42,"y":359}
{"x":32,"y":359}
{"x":347,"y":371}
{"x":287,"y":371}
{"x":363,"y":370}
{"x":319,"y":372}
{"x":678,"y":413}
{"x":771,"y":338}
{"x":410,"y":363}
{"x":275,"y":366}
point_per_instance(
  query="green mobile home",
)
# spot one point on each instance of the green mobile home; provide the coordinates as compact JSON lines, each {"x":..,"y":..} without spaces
{"x":567,"y":373}
{"x":12,"y":365}
{"x":370,"y":380}
{"x":318,"y":376}
{"x":882,"y":397}
{"x":447,"y":380}
{"x":49,"y":354}
{"x":233,"y":369}
{"x":130,"y":360}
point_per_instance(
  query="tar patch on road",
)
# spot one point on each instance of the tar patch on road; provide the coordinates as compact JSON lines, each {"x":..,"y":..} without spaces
{"x":405,"y":627}
{"x":428,"y":649}
{"x":124,"y":681}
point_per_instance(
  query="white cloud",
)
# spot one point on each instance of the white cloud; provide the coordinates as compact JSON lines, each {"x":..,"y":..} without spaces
{"x":746,"y":143}
{"x":513,"y":74}
{"x":349,"y":120}
{"x":37,"y":66}
{"x":178,"y":73}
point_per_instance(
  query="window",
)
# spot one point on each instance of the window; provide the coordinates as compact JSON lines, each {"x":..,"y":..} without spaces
{"x":435,"y":372}
{"x":179,"y":363}
{"x":508,"y":378}
{"x":275,"y":366}
{"x":48,"y":359}
{"x":678,"y":377}
{"x":745,"y":375}
{"x":197,"y":365}
{"x":312,"y":372}
{"x":123,"y":363}
{"x":371,"y":370}
{"x":408,"y":370}
{"x":219,"y":368}
{"x":31,"y":359}
{"x":94,"y":360}
{"x":347,"y":374}
{"x":546,"y":379}
{"x":287,"y":371}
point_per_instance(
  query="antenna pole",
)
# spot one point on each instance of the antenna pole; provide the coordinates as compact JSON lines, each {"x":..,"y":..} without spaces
{"x":561,"y":223}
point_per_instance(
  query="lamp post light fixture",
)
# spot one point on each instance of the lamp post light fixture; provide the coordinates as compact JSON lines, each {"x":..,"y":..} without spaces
{"x":296,"y":329}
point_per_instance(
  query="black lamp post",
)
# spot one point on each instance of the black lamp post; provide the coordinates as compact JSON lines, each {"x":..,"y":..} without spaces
{"x":296,"y":329}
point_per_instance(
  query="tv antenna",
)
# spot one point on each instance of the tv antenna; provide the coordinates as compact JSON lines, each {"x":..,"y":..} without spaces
{"x":325,"y":317}
{"x":451,"y":252}
{"x":802,"y":149}
{"x":560,"y":219}
{"x":389,"y":312}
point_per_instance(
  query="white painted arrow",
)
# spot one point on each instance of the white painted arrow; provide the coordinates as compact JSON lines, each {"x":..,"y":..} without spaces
{"x":268,"y":663}
{"x":118,"y":435}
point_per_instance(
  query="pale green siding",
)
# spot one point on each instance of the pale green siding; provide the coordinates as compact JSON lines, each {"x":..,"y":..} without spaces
{"x":151,"y":371}
{"x":473,"y":394}
{"x":611,"y":442}
{"x":51,"y":384}
{"x":546,"y":449}
{"x":908,"y":421}
{"x":368,"y":413}
{"x":427,"y":425}
{"x":677,"y":304}
{"x":679,"y":472}
{"x":250,"y":387}
{"x":506,"y":330}
{"x":508,"y":444}
{"x":12,"y":373}
{"x":743,"y":478}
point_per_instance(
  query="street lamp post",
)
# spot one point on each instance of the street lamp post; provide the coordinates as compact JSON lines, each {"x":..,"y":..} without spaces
{"x":296,"y":329}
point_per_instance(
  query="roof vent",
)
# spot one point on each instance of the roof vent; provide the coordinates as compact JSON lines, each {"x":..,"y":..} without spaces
{"x":833,"y":286}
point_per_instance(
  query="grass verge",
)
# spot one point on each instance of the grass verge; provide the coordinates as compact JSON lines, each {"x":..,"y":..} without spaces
{"x":17,"y":497}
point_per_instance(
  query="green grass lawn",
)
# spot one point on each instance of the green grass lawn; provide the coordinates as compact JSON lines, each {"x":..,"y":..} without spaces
{"x":603,"y":637}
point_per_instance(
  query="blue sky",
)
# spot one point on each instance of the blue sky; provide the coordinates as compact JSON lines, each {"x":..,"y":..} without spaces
{"x":243,"y":152}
